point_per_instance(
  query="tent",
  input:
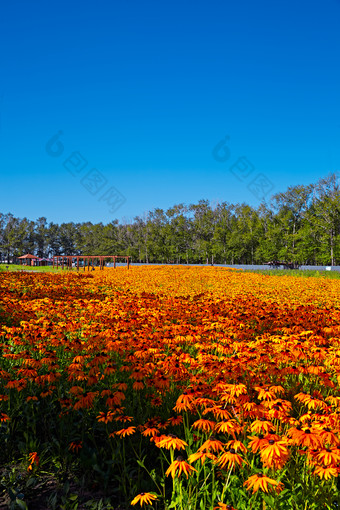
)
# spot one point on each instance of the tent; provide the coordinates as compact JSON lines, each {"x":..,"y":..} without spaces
{"x":28,"y":259}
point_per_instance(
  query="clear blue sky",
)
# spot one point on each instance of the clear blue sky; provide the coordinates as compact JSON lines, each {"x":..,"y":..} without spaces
{"x":144,"y":91}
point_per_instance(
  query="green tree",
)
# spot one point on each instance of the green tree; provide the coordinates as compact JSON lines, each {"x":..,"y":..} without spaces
{"x":325,"y":218}
{"x":244,"y":238}
{"x":223,"y":227}
{"x":270,"y":236}
{"x":12,"y":234}
{"x":203,"y":230}
{"x":179,"y":234}
{"x":291,"y":213}
{"x":68,"y":238}
{"x":41,"y":237}
{"x":53,"y":240}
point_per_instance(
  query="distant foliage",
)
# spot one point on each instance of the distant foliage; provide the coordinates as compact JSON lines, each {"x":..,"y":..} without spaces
{"x":299,"y":225}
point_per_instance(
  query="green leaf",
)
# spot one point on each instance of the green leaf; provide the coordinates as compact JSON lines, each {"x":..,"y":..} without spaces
{"x":21,"y":504}
{"x":11,"y":494}
{"x":31,"y":481}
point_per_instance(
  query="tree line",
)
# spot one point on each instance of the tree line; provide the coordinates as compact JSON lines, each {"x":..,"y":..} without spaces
{"x":299,"y":225}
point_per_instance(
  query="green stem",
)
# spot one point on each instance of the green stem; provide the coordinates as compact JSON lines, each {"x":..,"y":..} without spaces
{"x":226,"y":485}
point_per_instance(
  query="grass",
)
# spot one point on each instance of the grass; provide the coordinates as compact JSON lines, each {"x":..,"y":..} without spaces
{"x":273,"y":272}
{"x":38,"y":269}
{"x":19,"y":267}
{"x":304,"y":273}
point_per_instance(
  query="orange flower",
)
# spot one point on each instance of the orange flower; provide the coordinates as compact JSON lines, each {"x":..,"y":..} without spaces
{"x":18,"y":385}
{"x":156,"y":402}
{"x":205,"y":425}
{"x":144,"y":497}
{"x":30,"y":398}
{"x":85,"y":401}
{"x":279,"y":409}
{"x":228,"y":427}
{"x":75,"y":446}
{"x":218,"y":412}
{"x":202,"y":456}
{"x":305,"y":437}
{"x":150,"y":431}
{"x":223,"y":506}
{"x":230,"y":459}
{"x":178,"y":467}
{"x":277,"y":389}
{"x":265,"y":393}
{"x":263,"y":482}
{"x":138,"y":385}
{"x":274,"y":453}
{"x":236,"y":390}
{"x":237,"y":445}
{"x":33,"y":459}
{"x":122,"y":387}
{"x":175,"y":420}
{"x":124,"y":419}
{"x":187,"y":332}
{"x":256,"y":443}
{"x":325,"y":472}
{"x":105,"y":417}
{"x":302,"y":397}
{"x":4,"y":417}
{"x":117,"y":398}
{"x":315,"y":403}
{"x":184,"y":403}
{"x":113,"y":400}
{"x":329,"y":456}
{"x":124,"y":432}
{"x":45,"y":394}
{"x":262,"y":426}
{"x":211,"y":444}
{"x":328,"y":437}
{"x":172,"y":441}
{"x":252,"y":410}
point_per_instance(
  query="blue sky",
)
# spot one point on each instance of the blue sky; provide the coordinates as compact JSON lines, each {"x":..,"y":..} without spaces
{"x":144,"y":91}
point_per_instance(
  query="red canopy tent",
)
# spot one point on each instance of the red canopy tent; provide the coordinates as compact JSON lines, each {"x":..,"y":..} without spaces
{"x":28,"y":258}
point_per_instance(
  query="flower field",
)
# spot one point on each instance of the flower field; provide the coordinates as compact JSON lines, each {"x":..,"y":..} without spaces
{"x":171,"y":387}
